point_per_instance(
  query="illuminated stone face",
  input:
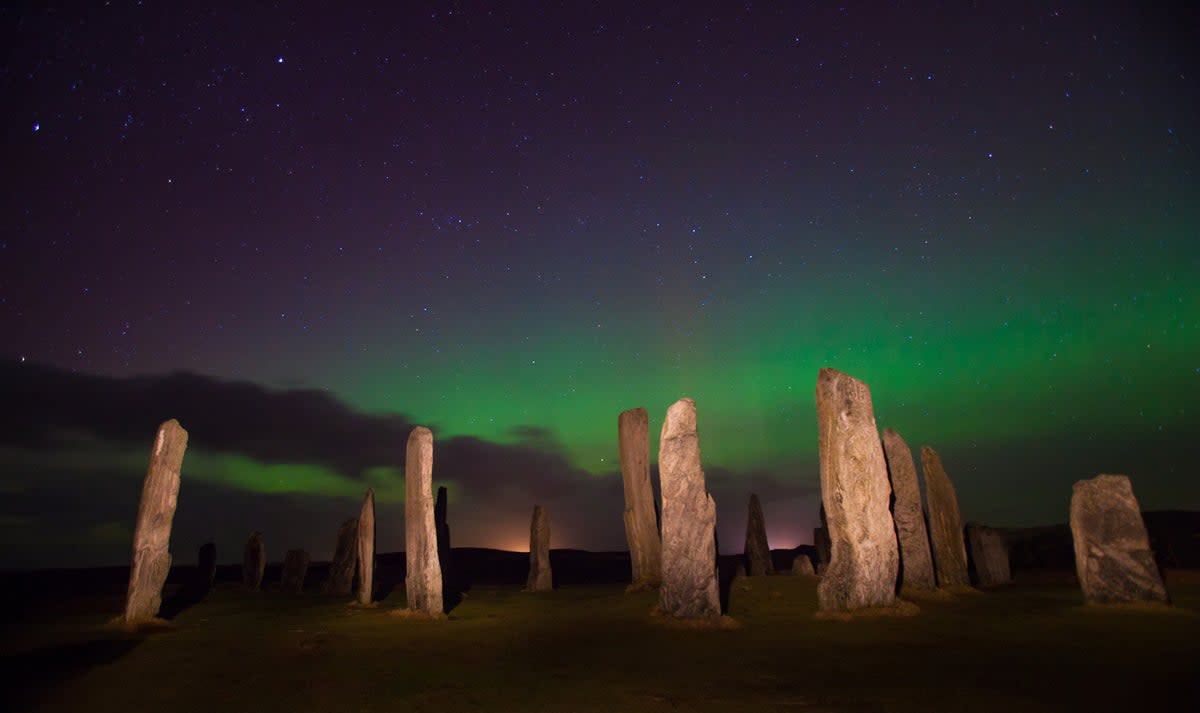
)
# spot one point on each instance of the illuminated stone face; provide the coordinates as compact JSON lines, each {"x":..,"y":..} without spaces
{"x":1112,"y":550}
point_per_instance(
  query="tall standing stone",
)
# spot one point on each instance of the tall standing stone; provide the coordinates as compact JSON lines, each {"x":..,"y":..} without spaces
{"x":345,"y":558}
{"x":152,"y":534}
{"x":366,"y":550}
{"x":916,"y":561}
{"x":206,"y":567}
{"x":758,"y":554}
{"x":254,"y":562}
{"x":641,"y":522}
{"x":689,"y":519}
{"x":1112,"y":550}
{"x":540,"y":576}
{"x":989,"y":555}
{"x":945,"y":523}
{"x":423,"y":583}
{"x":854,"y":487}
{"x":295,"y":569}
{"x":822,"y":542}
{"x":442,"y":526}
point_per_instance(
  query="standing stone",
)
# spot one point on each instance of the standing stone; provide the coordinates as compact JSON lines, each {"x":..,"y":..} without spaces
{"x":989,"y":555}
{"x":152,"y":534}
{"x":689,"y":518}
{"x":206,"y":567}
{"x":945,"y":524}
{"x":916,"y":561}
{"x":295,"y":568}
{"x":758,"y":554}
{"x":802,"y":565}
{"x":540,"y":577}
{"x":366,"y":550}
{"x":345,"y":558}
{"x":1112,"y":551}
{"x":254,"y":562}
{"x":442,"y":526}
{"x":822,"y":542}
{"x":641,"y":523}
{"x":423,"y":583}
{"x":854,"y":487}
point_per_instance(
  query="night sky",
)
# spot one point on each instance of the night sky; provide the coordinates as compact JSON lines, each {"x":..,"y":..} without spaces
{"x":303,"y":229}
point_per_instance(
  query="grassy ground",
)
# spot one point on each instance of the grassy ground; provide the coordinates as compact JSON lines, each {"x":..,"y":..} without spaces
{"x":1026,"y":648}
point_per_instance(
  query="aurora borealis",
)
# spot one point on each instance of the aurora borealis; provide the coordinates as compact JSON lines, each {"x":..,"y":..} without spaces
{"x":510,"y":224}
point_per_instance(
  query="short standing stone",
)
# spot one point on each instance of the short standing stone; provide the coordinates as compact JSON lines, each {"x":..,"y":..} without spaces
{"x":989,"y":555}
{"x":152,"y":534}
{"x":1112,"y":551}
{"x":423,"y":582}
{"x":366,"y":550}
{"x":802,"y":565}
{"x":345,"y":558}
{"x":540,"y":577}
{"x":641,"y":522}
{"x":206,"y":566}
{"x":254,"y":562}
{"x":758,"y":554}
{"x":945,"y":523}
{"x":854,"y":487}
{"x":295,"y":569}
{"x":689,"y":518}
{"x":916,"y":561}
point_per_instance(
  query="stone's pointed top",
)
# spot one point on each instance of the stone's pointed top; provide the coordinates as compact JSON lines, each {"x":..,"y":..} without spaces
{"x":1111,"y":481}
{"x":681,"y":419}
{"x":890,"y":432}
{"x":420,"y":434}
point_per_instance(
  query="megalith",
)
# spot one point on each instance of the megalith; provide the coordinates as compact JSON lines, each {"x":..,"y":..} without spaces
{"x":821,"y":541}
{"x":945,"y":523}
{"x":989,"y":555}
{"x":540,"y":577}
{"x":254,"y":562}
{"x":916,"y":561}
{"x":423,"y":582}
{"x":295,"y":569}
{"x":758,"y":554}
{"x":855,"y":490}
{"x":206,"y":566}
{"x":152,"y":533}
{"x":802,"y":565}
{"x":345,"y":559}
{"x":689,"y":518}
{"x":1112,"y":550}
{"x":366,"y":550}
{"x":641,"y":522}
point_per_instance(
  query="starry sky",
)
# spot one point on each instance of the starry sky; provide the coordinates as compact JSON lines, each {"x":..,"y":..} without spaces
{"x":303,"y":228}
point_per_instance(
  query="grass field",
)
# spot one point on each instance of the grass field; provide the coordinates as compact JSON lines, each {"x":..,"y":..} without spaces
{"x":1029,"y":647}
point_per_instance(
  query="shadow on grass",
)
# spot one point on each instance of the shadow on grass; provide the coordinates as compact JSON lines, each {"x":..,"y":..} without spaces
{"x":41,"y":671}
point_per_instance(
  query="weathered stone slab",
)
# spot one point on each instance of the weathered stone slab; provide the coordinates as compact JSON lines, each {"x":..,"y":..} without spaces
{"x":1112,"y":550}
{"x":689,"y":518}
{"x":641,"y":522}
{"x":206,"y":566}
{"x":365,"y":547}
{"x":423,"y":582}
{"x":916,"y":560}
{"x":758,"y":554}
{"x":152,"y":534}
{"x":802,"y":565}
{"x":855,"y":490}
{"x":989,"y":555}
{"x":541,"y":578}
{"x":254,"y":562}
{"x":345,"y":560}
{"x":295,"y":569}
{"x":945,"y":523}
